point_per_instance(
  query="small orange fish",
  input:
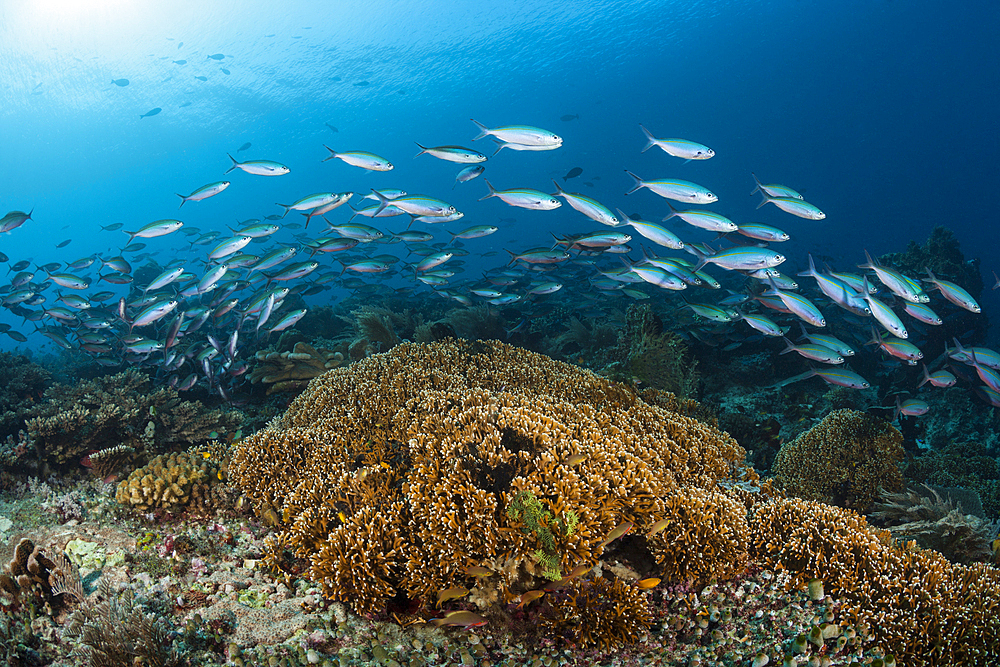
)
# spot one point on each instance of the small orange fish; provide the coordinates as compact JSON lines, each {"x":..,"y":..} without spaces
{"x":466,"y":619}
{"x":476,"y":571}
{"x":579,"y":571}
{"x":647,"y":583}
{"x":530,"y":596}
{"x":616,"y":533}
{"x":657,"y":527}
{"x":575,"y":459}
{"x":342,"y":517}
{"x":452,"y":593}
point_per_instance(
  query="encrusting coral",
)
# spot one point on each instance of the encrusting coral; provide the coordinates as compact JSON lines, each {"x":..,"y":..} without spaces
{"x":397,"y":474}
{"x":844,"y":460}
{"x":121,"y":409}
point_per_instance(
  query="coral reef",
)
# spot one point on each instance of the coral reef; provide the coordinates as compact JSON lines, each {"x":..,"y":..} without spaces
{"x":119,"y":410}
{"x":942,"y":254}
{"x":922,"y":608}
{"x":936,"y":522}
{"x":291,"y":371}
{"x":177,"y":481}
{"x":115,"y":630}
{"x":844,"y":460}
{"x":21,"y":384}
{"x":395,"y":475}
{"x":657,"y":358}
{"x":965,"y":465}
{"x":106,"y":463}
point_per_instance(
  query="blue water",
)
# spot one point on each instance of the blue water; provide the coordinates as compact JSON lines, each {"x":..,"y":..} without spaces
{"x":883,"y":114}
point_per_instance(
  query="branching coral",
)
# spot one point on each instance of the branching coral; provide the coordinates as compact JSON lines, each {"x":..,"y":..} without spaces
{"x":116,"y":631}
{"x":394,"y":475}
{"x":120,"y":409}
{"x":843,"y":460}
{"x":913,"y":602}
{"x":176,"y":481}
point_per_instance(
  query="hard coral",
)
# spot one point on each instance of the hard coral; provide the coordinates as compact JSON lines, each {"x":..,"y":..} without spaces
{"x":119,"y":409}
{"x":21,"y":384}
{"x":174,"y":482}
{"x":291,"y":371}
{"x":394,"y":475}
{"x":843,"y":460}
{"x":913,"y":602}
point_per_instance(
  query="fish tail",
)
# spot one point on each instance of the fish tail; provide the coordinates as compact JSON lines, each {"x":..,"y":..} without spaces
{"x":650,"y":139}
{"x":500,"y":146}
{"x":789,"y":346}
{"x":559,"y":190}
{"x":493,"y":191}
{"x":423,"y":149}
{"x":183,"y":199}
{"x":383,"y":201}
{"x":927,"y":376}
{"x":757,"y":189}
{"x":811,"y":273}
{"x":638,"y":182}
{"x":673,"y":212}
{"x":332,"y":155}
{"x":287,"y":208}
{"x":235,"y":164}
{"x":869,"y":262}
{"x":483,"y":130}
{"x":766,"y":199}
{"x":513,"y":256}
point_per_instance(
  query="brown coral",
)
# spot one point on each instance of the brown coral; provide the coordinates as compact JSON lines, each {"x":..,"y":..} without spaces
{"x":120,"y":409}
{"x":843,"y":460}
{"x":396,"y":474}
{"x":913,"y":602}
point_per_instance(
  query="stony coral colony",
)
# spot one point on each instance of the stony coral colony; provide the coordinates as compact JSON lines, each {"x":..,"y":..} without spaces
{"x":500,"y":476}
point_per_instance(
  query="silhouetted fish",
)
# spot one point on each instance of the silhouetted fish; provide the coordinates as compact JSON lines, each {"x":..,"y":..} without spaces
{"x":573,"y":173}
{"x":362,"y":83}
{"x":568,"y":117}
{"x":202,"y":78}
{"x":186,"y":104}
{"x":180,"y":62}
{"x":243,"y":147}
{"x":151,"y":112}
{"x":225,"y":71}
{"x":332,"y":128}
{"x":120,"y":82}
{"x":64,"y":243}
{"x":217,"y":56}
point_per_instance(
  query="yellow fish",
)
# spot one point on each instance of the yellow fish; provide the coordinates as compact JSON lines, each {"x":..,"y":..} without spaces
{"x":452,"y":593}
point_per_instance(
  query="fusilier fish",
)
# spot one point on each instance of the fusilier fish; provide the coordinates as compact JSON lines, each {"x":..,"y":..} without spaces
{"x":524,"y":198}
{"x":155,"y":229}
{"x":367,"y":161}
{"x":310,"y":202}
{"x":523,"y":135}
{"x":204,"y":192}
{"x":652,"y":231}
{"x":452,"y":154}
{"x":589,"y":207}
{"x":677,"y":190}
{"x":259,"y":167}
{"x":796,"y":207}
{"x":689,"y":150}
{"x":953,"y":293}
{"x":774,"y":190}
{"x":468,"y":174}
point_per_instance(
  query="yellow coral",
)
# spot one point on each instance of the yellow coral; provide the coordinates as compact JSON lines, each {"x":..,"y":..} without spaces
{"x":175,"y":481}
{"x":291,"y":371}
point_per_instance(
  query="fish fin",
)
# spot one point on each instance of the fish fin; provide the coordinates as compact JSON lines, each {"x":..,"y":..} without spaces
{"x":673,"y":212}
{"x":235,"y":164}
{"x":811,"y":273}
{"x":383,"y":201}
{"x":638,"y":182}
{"x":423,"y":149}
{"x":927,"y":376}
{"x":493,"y":191}
{"x":513,"y":256}
{"x":287,"y":208}
{"x":869,"y":262}
{"x":766,"y":199}
{"x":559,"y":190}
{"x":483,"y":130}
{"x":332,"y":155}
{"x":183,"y":199}
{"x":789,"y":346}
{"x":759,"y":187}
{"x":650,"y":139}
